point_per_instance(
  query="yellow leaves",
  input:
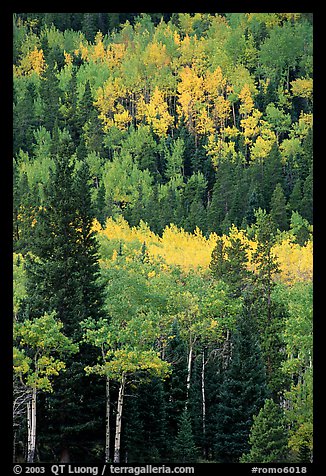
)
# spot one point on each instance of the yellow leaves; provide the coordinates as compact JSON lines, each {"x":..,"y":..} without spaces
{"x":250,"y":125}
{"x":115,"y":54}
{"x":190,"y":93}
{"x":155,"y":113}
{"x":246,"y":101}
{"x":112,"y":112}
{"x":296,"y":262}
{"x":192,"y":251}
{"x":33,"y":62}
{"x":155,"y":54}
{"x":214,"y":83}
{"x":302,"y":87}
{"x":122,"y":119}
{"x":68,"y":58}
{"x":96,"y":226}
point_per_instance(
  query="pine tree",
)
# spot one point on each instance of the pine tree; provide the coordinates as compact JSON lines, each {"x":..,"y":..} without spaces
{"x":62,"y":276}
{"x":50,"y":93}
{"x":268,"y":436}
{"x":242,"y":393}
{"x":268,"y":314}
{"x":295,"y":197}
{"x":306,"y":207}
{"x":278,"y":208}
{"x":184,"y":449}
{"x":229,"y":263}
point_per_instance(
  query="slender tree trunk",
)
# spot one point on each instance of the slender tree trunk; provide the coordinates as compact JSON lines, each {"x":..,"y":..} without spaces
{"x":203,"y":403}
{"x":107,"y":428}
{"x":188,"y":375}
{"x":118,"y":420}
{"x":31,"y":427}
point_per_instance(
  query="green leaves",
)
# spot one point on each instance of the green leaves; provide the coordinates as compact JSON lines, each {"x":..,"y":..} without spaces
{"x":40,"y":343}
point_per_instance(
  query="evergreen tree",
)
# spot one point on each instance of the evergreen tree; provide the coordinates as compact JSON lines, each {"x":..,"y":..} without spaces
{"x":62,"y":275}
{"x":306,"y":158}
{"x":24,"y":120}
{"x":242,"y":393}
{"x":268,"y":436}
{"x":50,"y":93}
{"x":278,"y":208}
{"x":184,"y":449}
{"x":222,"y":197}
{"x":306,"y":207}
{"x":229,"y":263}
{"x":175,"y":385}
{"x":295,"y":198}
{"x":269,"y":315}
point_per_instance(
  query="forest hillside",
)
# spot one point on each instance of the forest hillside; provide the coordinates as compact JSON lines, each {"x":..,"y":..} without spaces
{"x":163,"y":237}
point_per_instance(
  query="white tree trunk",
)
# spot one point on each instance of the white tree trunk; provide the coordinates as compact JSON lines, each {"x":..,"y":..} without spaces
{"x":203,"y":401}
{"x":118,"y":420}
{"x":188,"y":375}
{"x":107,"y":428}
{"x":31,"y":428}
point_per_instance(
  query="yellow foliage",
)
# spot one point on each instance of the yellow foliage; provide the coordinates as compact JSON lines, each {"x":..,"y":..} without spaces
{"x":246,"y":101}
{"x":192,"y":251}
{"x":155,"y":54}
{"x":115,"y":54}
{"x":295,"y":261}
{"x":33,"y":62}
{"x":302,"y":87}
{"x":68,"y":58}
{"x":155,"y":113}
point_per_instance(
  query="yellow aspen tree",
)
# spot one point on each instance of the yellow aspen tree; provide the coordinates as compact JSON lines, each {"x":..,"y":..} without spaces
{"x":33,"y":62}
{"x":246,"y":101}
{"x":155,"y":54}
{"x":107,"y":100}
{"x":122,"y":119}
{"x":97,"y":52}
{"x":214,"y":84}
{"x":302,"y":87}
{"x":155,"y":113}
{"x":190,"y":95}
{"x":115,"y":54}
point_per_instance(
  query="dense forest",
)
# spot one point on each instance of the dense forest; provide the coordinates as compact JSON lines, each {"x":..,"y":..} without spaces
{"x":162,"y":236}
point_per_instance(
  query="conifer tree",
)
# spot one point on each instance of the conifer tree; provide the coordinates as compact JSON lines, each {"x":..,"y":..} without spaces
{"x":62,"y":276}
{"x":278,"y":208}
{"x":50,"y":93}
{"x":269,"y":315}
{"x":184,"y":449}
{"x":242,"y":393}
{"x":268,"y":436}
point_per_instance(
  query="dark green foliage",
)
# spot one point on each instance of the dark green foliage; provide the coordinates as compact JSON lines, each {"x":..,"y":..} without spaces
{"x":229,"y":263}
{"x":185,"y":184}
{"x":184,"y":449}
{"x":50,"y":95}
{"x":306,"y":208}
{"x":269,"y":315}
{"x":145,"y":424}
{"x":268,"y":436}
{"x":242,"y":393}
{"x":278,"y":208}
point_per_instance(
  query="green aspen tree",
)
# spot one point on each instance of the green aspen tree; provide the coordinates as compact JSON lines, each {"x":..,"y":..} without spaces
{"x":37,"y":359}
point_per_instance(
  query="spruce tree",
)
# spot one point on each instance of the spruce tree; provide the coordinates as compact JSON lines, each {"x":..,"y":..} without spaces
{"x":268,"y":314}
{"x":229,"y":263}
{"x":295,"y":196}
{"x":268,"y":436}
{"x":62,"y":275}
{"x":50,"y":93}
{"x":242,"y":393}
{"x":306,"y":206}
{"x":184,"y":449}
{"x":278,"y":208}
